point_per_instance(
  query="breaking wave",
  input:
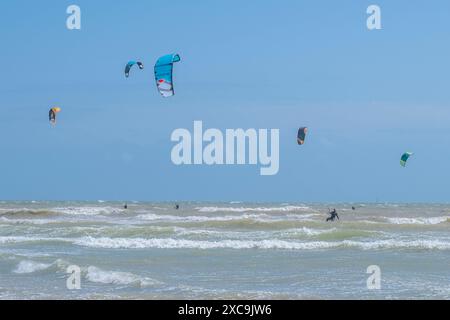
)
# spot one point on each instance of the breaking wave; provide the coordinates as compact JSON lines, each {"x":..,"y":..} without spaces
{"x":98,"y":275}
{"x":141,"y":243}
{"x":419,"y":220}
{"x":88,"y":211}
{"x":256,"y":217}
{"x":250,"y":209}
{"x":28,"y":266}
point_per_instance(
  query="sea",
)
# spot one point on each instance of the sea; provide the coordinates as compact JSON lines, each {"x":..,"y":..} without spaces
{"x":234,"y":250}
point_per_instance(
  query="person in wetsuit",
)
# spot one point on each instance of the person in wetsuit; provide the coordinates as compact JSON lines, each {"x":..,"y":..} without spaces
{"x":52,"y":116}
{"x":333,"y":215}
{"x":177,"y":206}
{"x":125,"y":206}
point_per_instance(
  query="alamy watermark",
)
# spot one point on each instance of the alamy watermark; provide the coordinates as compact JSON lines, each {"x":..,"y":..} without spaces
{"x":232,"y":147}
{"x":374,"y":280}
{"x":374,"y":20}
{"x":73,"y":282}
{"x":73,"y":22}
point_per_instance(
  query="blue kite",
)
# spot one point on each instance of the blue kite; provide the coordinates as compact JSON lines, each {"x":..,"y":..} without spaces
{"x":130,"y":65}
{"x":164,"y":74}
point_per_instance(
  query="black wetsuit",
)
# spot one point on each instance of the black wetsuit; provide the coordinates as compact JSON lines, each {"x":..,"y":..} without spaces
{"x":51,"y":116}
{"x":333,"y":216}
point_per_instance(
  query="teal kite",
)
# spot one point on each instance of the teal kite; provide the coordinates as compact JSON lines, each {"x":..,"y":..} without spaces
{"x":164,"y":74}
{"x":405,"y":158}
{"x":130,"y":64}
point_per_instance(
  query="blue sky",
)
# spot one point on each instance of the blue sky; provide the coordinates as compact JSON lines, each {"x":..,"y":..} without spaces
{"x":367,"y":96}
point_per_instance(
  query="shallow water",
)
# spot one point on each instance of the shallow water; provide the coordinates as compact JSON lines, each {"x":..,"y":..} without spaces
{"x":223,"y":250}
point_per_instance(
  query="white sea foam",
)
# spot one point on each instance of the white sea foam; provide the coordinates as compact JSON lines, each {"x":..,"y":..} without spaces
{"x":22,"y":239}
{"x":28,"y":266}
{"x":251,"y":234}
{"x":169,"y":243}
{"x":98,"y":275}
{"x":203,"y":232}
{"x":419,"y":220}
{"x":256,"y":217}
{"x":25,"y":211}
{"x":15,"y":239}
{"x":309,"y":231}
{"x":399,"y":244}
{"x":27,"y":221}
{"x":151,"y":216}
{"x":87,"y":211}
{"x":141,"y":243}
{"x":251,"y":209}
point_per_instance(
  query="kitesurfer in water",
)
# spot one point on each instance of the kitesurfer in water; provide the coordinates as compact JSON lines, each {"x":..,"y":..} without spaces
{"x":125,"y":206}
{"x":177,"y":206}
{"x":333,"y":215}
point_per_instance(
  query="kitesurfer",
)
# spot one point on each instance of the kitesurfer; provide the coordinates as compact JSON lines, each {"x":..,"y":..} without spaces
{"x":52,"y":116}
{"x":333,"y":215}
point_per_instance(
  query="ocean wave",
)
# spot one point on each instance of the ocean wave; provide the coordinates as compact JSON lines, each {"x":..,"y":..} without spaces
{"x":292,"y":234}
{"x":243,"y":234}
{"x":91,"y":273}
{"x":400,"y":244}
{"x":15,"y":239}
{"x":98,"y":275}
{"x":151,"y":216}
{"x":251,"y":209}
{"x":76,"y":211}
{"x":160,"y":208}
{"x":28,"y":266}
{"x":24,"y":212}
{"x":303,"y":230}
{"x":203,"y":232}
{"x":141,"y":243}
{"x":197,"y":292}
{"x":120,"y":231}
{"x":22,"y":239}
{"x":419,"y":220}
{"x":88,"y":211}
{"x":19,"y":221}
{"x":242,"y":217}
{"x":307,"y":231}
